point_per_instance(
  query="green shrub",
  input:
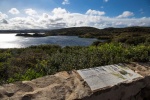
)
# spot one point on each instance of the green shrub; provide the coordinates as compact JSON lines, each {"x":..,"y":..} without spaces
{"x":37,"y":61}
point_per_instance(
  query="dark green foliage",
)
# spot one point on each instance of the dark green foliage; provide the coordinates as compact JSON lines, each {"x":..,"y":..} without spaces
{"x":96,"y":43}
{"x":132,"y":38}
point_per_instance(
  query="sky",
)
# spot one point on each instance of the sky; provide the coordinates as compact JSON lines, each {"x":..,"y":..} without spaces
{"x":54,"y":14}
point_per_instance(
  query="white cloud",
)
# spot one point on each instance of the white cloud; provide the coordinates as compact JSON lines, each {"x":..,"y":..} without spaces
{"x":126,"y":14}
{"x":61,"y":18}
{"x":30,"y":12}
{"x":105,"y":0}
{"x":59,"y":11}
{"x":14,"y":11}
{"x":65,"y":2}
{"x":3,"y":16}
{"x":95,"y":12}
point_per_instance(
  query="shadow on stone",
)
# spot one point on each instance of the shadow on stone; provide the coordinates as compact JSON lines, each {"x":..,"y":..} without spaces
{"x":9,"y":94}
{"x":26,"y":97}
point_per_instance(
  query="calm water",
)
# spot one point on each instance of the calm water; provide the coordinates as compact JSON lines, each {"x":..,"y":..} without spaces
{"x":12,"y":41}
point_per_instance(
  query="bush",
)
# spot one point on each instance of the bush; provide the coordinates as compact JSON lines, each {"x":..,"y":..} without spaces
{"x":37,"y":61}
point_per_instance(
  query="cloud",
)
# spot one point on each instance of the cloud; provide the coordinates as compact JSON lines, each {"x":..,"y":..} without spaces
{"x":105,"y":0}
{"x":4,"y":21}
{"x":59,"y":11}
{"x":30,"y":12}
{"x":126,"y":14}
{"x":14,"y":11}
{"x":65,"y":2}
{"x":62,"y":18}
{"x":95,"y":12}
{"x":3,"y":16}
{"x":45,"y":15}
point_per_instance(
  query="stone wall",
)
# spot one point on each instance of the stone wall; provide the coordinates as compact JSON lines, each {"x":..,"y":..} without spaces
{"x":137,"y":90}
{"x":61,"y":86}
{"x":70,"y":86}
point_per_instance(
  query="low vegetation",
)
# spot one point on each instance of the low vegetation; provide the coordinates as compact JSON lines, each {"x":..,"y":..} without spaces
{"x":129,"y":35}
{"x":36,"y":61}
{"x":120,"y":45}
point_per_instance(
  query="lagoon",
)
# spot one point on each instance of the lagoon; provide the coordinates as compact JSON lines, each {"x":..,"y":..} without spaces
{"x":12,"y":41}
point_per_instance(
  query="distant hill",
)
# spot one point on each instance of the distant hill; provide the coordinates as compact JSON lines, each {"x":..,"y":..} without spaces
{"x":130,"y":35}
{"x":94,"y":32}
{"x":74,"y":31}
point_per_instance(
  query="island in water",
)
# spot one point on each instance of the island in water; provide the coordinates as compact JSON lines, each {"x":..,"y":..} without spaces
{"x":30,"y":35}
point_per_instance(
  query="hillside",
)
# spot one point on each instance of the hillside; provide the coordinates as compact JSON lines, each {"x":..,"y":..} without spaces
{"x":94,"y":32}
{"x":129,"y":35}
{"x":74,"y":31}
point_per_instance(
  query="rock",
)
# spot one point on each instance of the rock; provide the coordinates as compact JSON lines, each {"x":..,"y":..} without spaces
{"x":61,"y":86}
{"x":70,"y":86}
{"x":138,"y":89}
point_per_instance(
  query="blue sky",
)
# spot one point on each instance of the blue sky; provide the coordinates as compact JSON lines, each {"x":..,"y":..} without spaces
{"x":49,"y":14}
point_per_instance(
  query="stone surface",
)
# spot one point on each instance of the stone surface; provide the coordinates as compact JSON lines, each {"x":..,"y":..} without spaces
{"x":107,"y":76}
{"x":61,"y":86}
{"x":71,"y":85}
{"x":138,"y":89}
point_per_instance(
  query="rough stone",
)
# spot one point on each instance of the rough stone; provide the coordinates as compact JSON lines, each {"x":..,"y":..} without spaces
{"x":61,"y":86}
{"x":70,"y":86}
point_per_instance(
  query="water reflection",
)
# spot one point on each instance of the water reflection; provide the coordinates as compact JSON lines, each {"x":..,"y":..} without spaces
{"x":12,"y":41}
